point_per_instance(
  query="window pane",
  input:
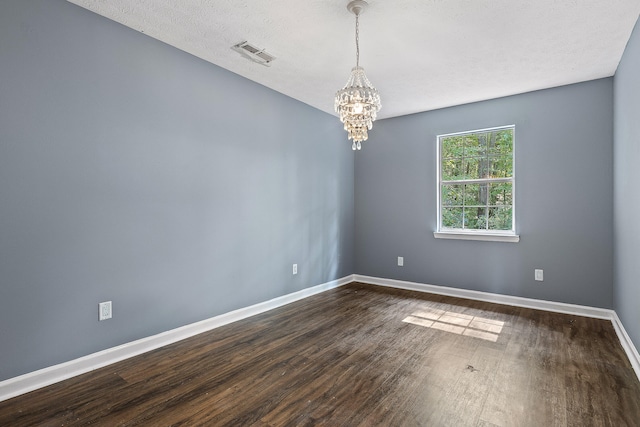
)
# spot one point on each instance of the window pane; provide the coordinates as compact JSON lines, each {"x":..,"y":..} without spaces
{"x":475,"y":167}
{"x":503,"y":143}
{"x":500,"y":218}
{"x":475,"y":194}
{"x":475,"y":218}
{"x":452,"y":146}
{"x":451,"y":217}
{"x":452,"y":195}
{"x":474,"y":145}
{"x":501,"y":194}
{"x":451,"y":169}
{"x":501,"y":167}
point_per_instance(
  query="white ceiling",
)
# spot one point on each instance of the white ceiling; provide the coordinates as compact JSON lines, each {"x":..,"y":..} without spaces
{"x":420,"y":55}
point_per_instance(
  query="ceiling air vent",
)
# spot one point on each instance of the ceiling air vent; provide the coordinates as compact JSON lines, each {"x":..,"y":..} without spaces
{"x":254,"y":53}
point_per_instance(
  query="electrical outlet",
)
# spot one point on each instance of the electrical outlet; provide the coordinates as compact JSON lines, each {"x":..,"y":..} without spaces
{"x":401,"y":261}
{"x":104,"y":310}
{"x":539,"y":275}
{"x":295,"y":268}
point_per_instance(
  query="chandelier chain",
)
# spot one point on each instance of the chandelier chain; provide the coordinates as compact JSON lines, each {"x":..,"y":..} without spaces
{"x":357,"y":40}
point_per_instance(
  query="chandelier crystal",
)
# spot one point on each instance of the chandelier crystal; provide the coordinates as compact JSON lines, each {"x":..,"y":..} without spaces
{"x":358,"y":102}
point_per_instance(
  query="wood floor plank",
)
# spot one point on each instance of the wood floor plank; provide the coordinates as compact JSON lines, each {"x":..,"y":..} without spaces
{"x":361,"y":355}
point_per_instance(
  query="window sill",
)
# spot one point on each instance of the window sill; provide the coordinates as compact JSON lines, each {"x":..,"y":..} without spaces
{"x":487,"y":237}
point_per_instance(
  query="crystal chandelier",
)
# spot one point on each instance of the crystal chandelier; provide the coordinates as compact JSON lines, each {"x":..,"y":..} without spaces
{"x":358,"y":102}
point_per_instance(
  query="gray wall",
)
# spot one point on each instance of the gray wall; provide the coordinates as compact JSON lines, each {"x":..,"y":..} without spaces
{"x":627,"y":188}
{"x":131,"y":171}
{"x":564,"y":177}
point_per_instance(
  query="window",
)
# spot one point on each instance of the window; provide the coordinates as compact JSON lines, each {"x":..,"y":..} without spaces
{"x":476,"y":185}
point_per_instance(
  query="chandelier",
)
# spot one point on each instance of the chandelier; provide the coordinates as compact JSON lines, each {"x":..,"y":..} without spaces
{"x":358,"y":102}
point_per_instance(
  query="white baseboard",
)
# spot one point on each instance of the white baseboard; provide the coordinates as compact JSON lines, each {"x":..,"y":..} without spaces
{"x":627,"y":344}
{"x":558,"y":307}
{"x":34,"y":380}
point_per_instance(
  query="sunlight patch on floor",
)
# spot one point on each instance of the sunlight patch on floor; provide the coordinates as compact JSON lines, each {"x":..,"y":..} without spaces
{"x":457,"y":323}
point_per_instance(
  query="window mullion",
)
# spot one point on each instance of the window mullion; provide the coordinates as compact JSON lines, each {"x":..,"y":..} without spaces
{"x":486,"y":215}
{"x":477,"y":181}
{"x":464,"y":202}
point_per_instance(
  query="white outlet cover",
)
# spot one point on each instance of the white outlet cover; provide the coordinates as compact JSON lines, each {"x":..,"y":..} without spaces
{"x":539,"y":275}
{"x":295,"y":268}
{"x":104,"y":310}
{"x":400,"y":261}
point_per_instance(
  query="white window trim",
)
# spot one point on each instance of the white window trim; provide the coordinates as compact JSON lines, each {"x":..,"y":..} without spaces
{"x":482,"y":235}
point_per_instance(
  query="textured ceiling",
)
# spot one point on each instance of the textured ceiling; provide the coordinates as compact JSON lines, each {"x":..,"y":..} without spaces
{"x":420,"y":55}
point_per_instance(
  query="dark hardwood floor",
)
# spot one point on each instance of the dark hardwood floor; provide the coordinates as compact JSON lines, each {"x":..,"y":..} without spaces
{"x":361,"y":355}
